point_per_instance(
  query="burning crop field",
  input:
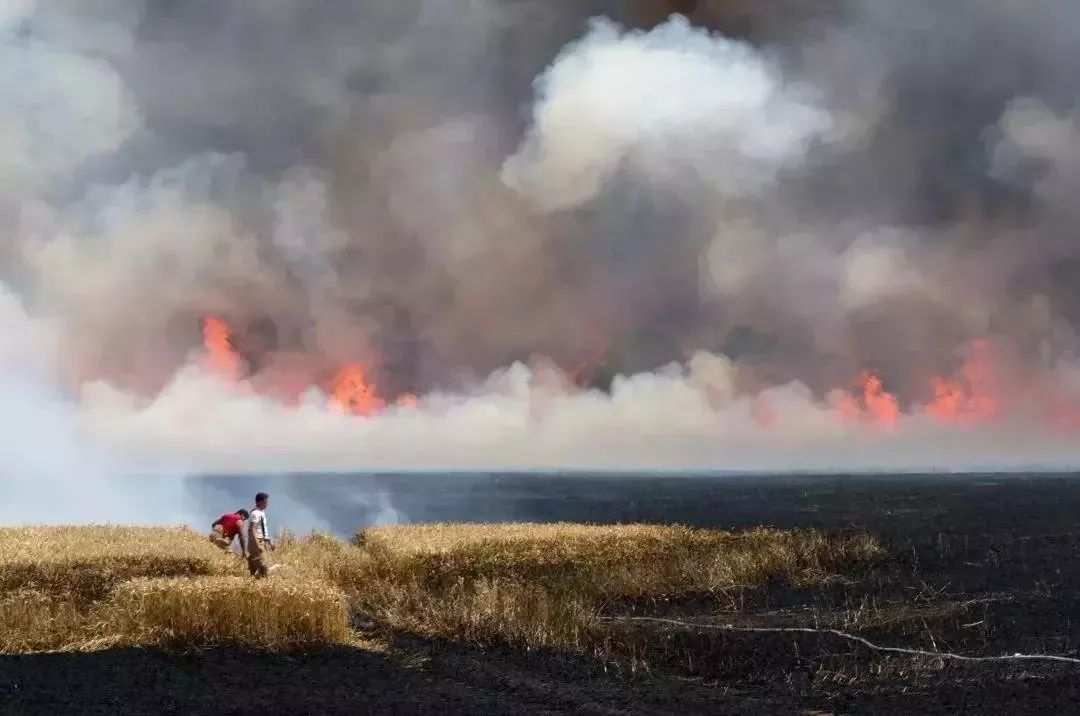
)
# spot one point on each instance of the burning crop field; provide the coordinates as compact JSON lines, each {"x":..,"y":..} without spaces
{"x":258,"y":238}
{"x":591,"y":236}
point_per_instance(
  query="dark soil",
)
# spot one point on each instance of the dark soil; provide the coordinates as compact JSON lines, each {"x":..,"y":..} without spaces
{"x":978,"y":565}
{"x":405,"y":676}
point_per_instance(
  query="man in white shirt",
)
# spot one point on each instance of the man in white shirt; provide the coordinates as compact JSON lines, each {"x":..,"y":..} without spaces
{"x":259,"y":543}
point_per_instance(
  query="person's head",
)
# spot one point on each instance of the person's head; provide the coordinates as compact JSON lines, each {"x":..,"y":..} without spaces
{"x":243,"y":514}
{"x":262,"y":500}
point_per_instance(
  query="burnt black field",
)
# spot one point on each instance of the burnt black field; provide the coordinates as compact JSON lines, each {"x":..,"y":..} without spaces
{"x":904,"y":506}
{"x":976,"y":564}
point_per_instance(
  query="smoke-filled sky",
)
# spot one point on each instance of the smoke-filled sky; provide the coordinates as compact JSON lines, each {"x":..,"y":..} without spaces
{"x":585,"y":234}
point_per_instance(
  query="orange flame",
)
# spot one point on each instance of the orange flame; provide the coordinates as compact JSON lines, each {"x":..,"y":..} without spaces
{"x":873,"y":403}
{"x":351,"y":392}
{"x":220,"y":358}
{"x":969,"y":398}
{"x":882,"y":406}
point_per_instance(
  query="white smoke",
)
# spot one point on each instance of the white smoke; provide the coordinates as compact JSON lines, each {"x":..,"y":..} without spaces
{"x":668,"y":102}
{"x":55,"y":468}
{"x":679,"y":418}
{"x":51,"y":470}
{"x":103,"y":253}
{"x":877,"y":266}
{"x":61,"y":104}
{"x":14,"y":11}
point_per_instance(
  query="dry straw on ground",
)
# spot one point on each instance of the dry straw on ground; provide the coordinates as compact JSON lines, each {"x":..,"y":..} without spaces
{"x":229,"y":610}
{"x":621,"y":560}
{"x":32,"y":621}
{"x":74,"y":587}
{"x":78,"y":587}
{"x":543,"y":585}
{"x":84,"y":564}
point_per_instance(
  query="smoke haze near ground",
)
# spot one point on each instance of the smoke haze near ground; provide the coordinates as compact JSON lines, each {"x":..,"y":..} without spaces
{"x":463,"y":196}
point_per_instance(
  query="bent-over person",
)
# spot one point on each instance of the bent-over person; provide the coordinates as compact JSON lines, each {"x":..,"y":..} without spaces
{"x":228,"y":527}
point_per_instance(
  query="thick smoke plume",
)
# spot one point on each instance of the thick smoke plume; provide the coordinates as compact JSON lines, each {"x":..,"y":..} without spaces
{"x":663,"y":103}
{"x":434,"y":234}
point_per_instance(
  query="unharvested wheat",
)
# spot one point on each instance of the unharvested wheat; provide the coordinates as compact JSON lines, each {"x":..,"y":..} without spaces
{"x":229,"y":610}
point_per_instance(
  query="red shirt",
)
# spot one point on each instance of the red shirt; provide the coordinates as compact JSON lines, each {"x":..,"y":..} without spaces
{"x":230,"y":524}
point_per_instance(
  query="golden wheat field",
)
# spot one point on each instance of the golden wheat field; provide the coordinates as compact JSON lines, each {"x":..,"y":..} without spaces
{"x":537,"y":585}
{"x":85,"y":563}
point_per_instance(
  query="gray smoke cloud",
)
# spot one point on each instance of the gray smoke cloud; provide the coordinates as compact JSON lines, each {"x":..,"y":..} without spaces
{"x":482,"y":201}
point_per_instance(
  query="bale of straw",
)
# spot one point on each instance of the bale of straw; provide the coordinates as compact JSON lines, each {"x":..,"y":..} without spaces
{"x":203,"y":611}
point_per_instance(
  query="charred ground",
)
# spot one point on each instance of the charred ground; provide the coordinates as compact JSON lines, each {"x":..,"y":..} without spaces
{"x":976,"y":565}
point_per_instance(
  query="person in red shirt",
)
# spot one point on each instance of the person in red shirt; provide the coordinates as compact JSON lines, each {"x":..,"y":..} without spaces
{"x":227,"y":527}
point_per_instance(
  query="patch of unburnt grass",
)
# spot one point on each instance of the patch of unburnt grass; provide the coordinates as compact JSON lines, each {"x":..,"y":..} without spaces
{"x":527,"y":585}
{"x":82,"y":588}
{"x":538,"y":585}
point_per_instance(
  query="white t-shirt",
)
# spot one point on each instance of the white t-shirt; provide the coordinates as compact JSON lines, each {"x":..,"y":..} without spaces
{"x":257,"y":522}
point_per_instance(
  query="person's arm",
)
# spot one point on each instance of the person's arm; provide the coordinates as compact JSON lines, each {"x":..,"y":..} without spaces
{"x":243,"y":544}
